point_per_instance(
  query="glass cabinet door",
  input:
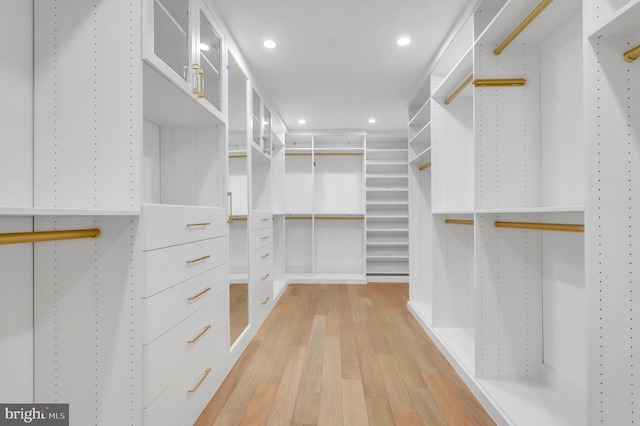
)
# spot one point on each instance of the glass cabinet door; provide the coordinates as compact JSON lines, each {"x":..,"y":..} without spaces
{"x":208,"y":58}
{"x":171,"y":34}
{"x":257,"y":122}
{"x":266,"y":130}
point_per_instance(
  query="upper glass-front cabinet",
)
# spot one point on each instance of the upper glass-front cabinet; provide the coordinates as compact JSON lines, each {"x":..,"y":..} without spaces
{"x":181,"y":41}
{"x":209,"y":49}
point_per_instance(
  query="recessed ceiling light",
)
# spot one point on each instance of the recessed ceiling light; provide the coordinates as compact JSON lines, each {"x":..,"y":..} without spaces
{"x":372,"y":120}
{"x":269,"y":44}
{"x":403,"y":41}
{"x":204,"y":47}
{"x":302,"y":121}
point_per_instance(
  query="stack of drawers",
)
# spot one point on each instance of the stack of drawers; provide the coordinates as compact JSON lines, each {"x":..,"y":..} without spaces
{"x":261,"y":264}
{"x":185,"y":308}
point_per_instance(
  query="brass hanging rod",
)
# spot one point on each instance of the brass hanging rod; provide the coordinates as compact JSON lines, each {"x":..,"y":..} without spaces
{"x":35,"y":237}
{"x":524,"y":24}
{"x":298,"y":217}
{"x":541,"y":226}
{"x":459,"y":89}
{"x":238,"y":156}
{"x":496,"y":82}
{"x":458,"y":222}
{"x":339,"y":218}
{"x":632,"y":54}
{"x":425,"y":166}
{"x":339,"y":153}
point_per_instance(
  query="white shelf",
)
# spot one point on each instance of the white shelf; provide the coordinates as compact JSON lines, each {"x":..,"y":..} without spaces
{"x":295,"y":151}
{"x":554,"y":16}
{"x":422,"y":117}
{"x":623,"y":24}
{"x":422,"y":158}
{"x":52,"y":212}
{"x":454,"y":212}
{"x":385,"y":163}
{"x":388,"y":244}
{"x":338,"y":151}
{"x":558,"y":209}
{"x":462,"y":70}
{"x":387,"y":189}
{"x":387,"y":203}
{"x":423,"y":136}
{"x":387,"y":230}
{"x":387,"y":257}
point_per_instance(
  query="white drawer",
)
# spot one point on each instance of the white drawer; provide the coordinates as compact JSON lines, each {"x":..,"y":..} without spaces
{"x":169,"y":354}
{"x":167,"y":267}
{"x":261,"y":257}
{"x":261,"y":238}
{"x":167,"y":308}
{"x":260,"y":219}
{"x":263,"y":302}
{"x":176,"y":402}
{"x":164,"y":226}
{"x":262,"y":276}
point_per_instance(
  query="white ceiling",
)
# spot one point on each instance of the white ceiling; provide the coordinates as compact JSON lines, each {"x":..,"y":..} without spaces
{"x":337,"y":63}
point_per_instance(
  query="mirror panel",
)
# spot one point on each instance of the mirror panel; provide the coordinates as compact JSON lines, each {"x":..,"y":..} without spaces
{"x":238,"y":186}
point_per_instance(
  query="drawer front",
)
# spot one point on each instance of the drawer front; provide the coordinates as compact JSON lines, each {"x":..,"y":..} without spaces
{"x":262,"y":277}
{"x":263,"y":302}
{"x":167,"y":356}
{"x":167,"y":308}
{"x":164,"y":226}
{"x":260,"y":219}
{"x":167,"y":267}
{"x":261,"y":257}
{"x":261,"y":238}
{"x":176,"y":402}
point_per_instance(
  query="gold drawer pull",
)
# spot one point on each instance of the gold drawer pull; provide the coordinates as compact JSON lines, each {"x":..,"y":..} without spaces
{"x":200,"y":259}
{"x":266,"y":276}
{"x":265,"y":238}
{"x":191,"y":225}
{"x":266,"y":300}
{"x":265,"y":256}
{"x":199,"y":294}
{"x":195,"y":339}
{"x":266,"y":219}
{"x":206,"y":373}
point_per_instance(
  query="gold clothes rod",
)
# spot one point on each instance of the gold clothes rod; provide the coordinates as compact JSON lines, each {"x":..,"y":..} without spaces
{"x":425,"y":166}
{"x":458,"y":222}
{"x":542,"y":226}
{"x":459,"y":89}
{"x":298,"y":217}
{"x":339,"y":218}
{"x":632,"y":54}
{"x":524,"y":24}
{"x":237,"y":156}
{"x":340,"y":153}
{"x":35,"y":237}
{"x":498,"y":82}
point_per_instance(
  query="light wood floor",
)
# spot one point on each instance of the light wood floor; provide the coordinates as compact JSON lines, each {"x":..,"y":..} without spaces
{"x":238,"y":309}
{"x":343,"y":355}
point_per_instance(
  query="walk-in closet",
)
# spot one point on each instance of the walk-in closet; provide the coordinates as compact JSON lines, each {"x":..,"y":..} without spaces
{"x":365,"y":212}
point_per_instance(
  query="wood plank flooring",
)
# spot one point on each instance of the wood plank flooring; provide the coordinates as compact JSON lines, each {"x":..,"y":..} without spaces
{"x":343,"y":355}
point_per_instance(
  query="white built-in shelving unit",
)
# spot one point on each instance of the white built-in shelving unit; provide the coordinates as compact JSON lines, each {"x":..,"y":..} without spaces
{"x":324,"y":208}
{"x":140,"y":149}
{"x":521,"y":313}
{"x":387,"y":206}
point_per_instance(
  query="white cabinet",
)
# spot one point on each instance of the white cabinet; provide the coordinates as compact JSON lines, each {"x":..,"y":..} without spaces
{"x":181,"y":40}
